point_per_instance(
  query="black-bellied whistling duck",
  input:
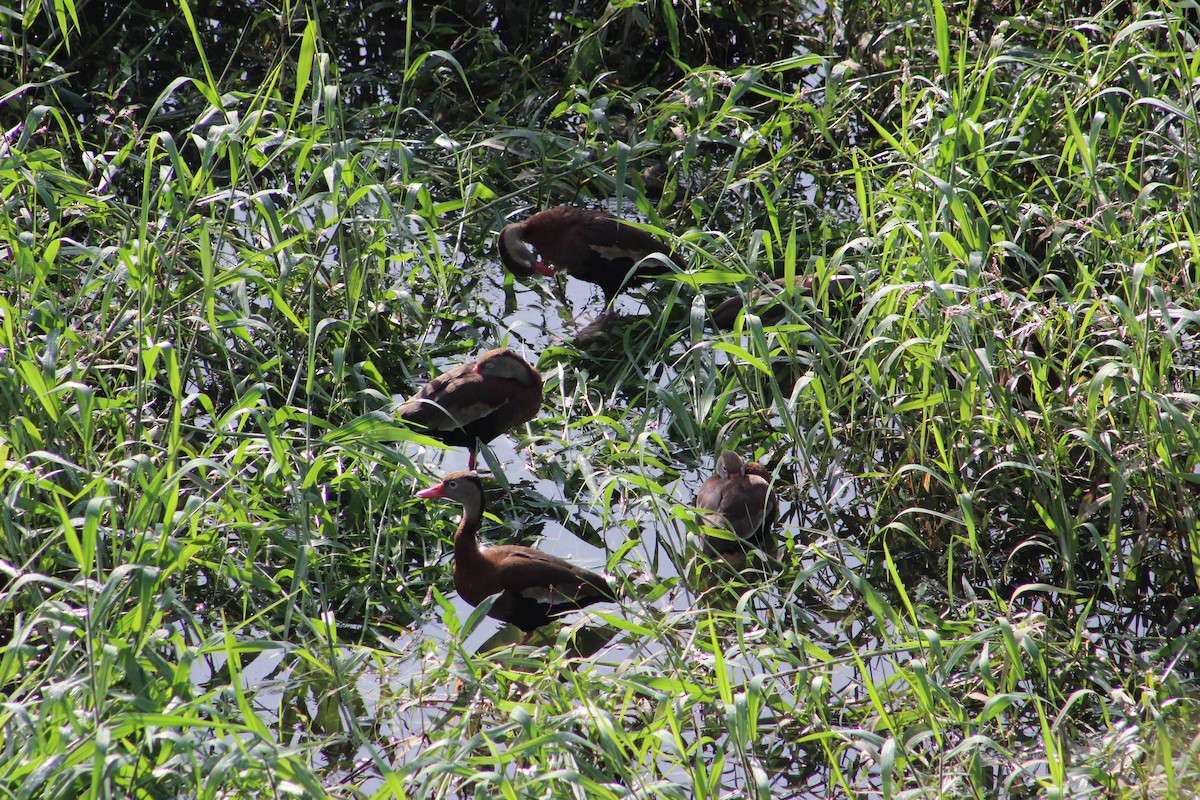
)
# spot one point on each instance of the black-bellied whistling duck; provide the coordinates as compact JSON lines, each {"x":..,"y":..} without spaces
{"x":764,"y":301}
{"x":769,"y":301}
{"x":476,"y":402}
{"x":1020,"y":377}
{"x":589,"y":245}
{"x":533,"y":586}
{"x":739,"y":499}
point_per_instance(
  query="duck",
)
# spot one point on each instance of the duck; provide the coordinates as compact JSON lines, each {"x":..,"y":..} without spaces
{"x":587,"y":244}
{"x":476,"y":402}
{"x":764,"y":301}
{"x":738,"y":498}
{"x":770,"y":301}
{"x":533,"y":587}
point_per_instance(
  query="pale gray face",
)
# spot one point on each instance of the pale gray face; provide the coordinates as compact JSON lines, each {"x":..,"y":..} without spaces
{"x":506,"y":365}
{"x":730,"y":464}
{"x":463,"y":487}
{"x":516,"y":255}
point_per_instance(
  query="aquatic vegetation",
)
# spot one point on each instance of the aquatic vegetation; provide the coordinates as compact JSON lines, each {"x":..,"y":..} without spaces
{"x":232,"y":243}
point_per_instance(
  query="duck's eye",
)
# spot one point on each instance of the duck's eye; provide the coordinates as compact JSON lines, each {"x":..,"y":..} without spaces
{"x":451,"y":484}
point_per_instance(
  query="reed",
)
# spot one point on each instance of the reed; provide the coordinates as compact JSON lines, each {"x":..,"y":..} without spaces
{"x":980,"y":409}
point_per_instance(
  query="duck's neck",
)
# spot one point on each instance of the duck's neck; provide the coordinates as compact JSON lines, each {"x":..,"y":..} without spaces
{"x":466,"y":545}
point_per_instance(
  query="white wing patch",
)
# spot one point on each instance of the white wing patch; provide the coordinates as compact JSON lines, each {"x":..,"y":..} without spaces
{"x":613,"y":252}
{"x":475,"y":411}
{"x":548,"y":595}
{"x":465,"y":414}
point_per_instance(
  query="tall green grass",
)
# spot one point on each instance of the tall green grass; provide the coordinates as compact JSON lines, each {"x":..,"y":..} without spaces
{"x":218,"y":582}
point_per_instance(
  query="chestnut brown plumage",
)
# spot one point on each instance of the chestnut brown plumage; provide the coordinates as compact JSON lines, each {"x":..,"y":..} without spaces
{"x":476,"y":402}
{"x":739,"y":499}
{"x":589,"y":245}
{"x":765,"y":301}
{"x":533,"y":587}
{"x":770,"y":301}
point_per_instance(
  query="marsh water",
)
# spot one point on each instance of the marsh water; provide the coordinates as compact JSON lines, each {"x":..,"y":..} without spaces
{"x":984,"y":445}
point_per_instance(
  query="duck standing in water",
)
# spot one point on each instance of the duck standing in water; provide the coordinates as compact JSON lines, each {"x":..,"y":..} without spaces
{"x":739,"y":499}
{"x":533,"y":587}
{"x":587,"y":244}
{"x":476,"y":402}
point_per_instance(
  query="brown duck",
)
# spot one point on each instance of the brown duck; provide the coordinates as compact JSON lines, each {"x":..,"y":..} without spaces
{"x":770,"y":302}
{"x":739,"y":498}
{"x":476,"y":402}
{"x":533,"y":587}
{"x":589,"y":245}
{"x":765,"y":301}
